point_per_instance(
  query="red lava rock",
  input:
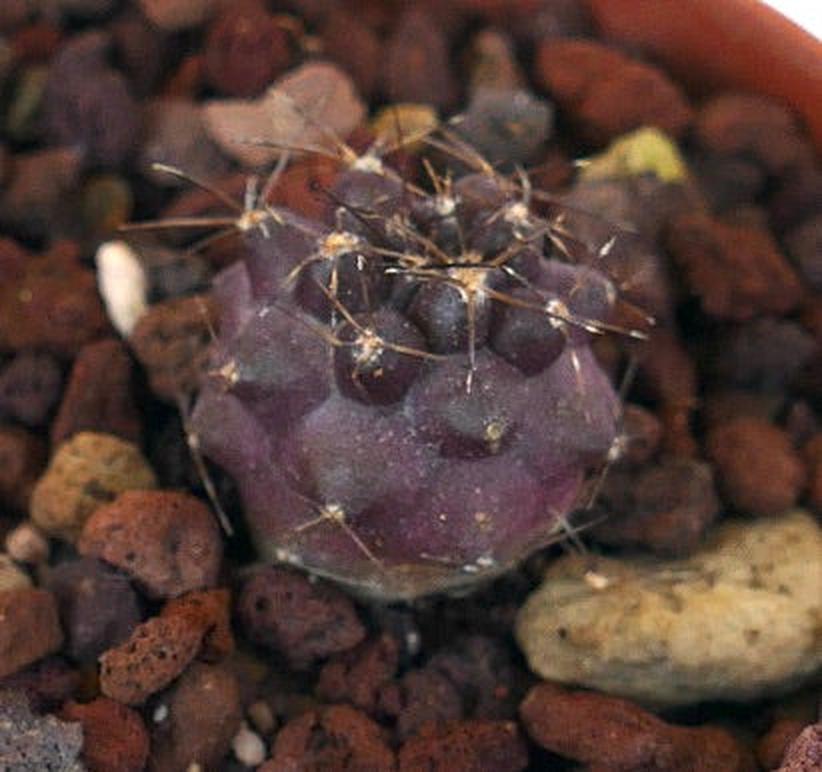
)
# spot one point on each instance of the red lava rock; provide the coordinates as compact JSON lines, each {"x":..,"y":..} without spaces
{"x":416,"y":66}
{"x":23,"y":457}
{"x":466,"y":746}
{"x":665,"y":507}
{"x":114,"y":736}
{"x":30,"y":386}
{"x":759,"y":471}
{"x":36,"y":200}
{"x":47,"y":683}
{"x":204,"y":714}
{"x":339,"y":738}
{"x":171,"y":341}
{"x":99,"y":396}
{"x":737,"y":271}
{"x":804,"y":754}
{"x":30,"y":628}
{"x":303,"y":619}
{"x":355,"y":47}
{"x":52,"y":306}
{"x":608,"y":733}
{"x":423,"y":697}
{"x":607,"y":93}
{"x":210,"y":612}
{"x":13,"y":259}
{"x":752,"y":126}
{"x":98,"y":607}
{"x":168,"y":542}
{"x":771,"y":747}
{"x":83,"y":94}
{"x":358,"y":676}
{"x":152,"y":657}
{"x":246,"y":47}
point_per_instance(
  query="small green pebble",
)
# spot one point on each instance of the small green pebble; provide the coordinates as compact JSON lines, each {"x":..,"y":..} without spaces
{"x":106,"y":204}
{"x":644,"y":151}
{"x":24,"y":105}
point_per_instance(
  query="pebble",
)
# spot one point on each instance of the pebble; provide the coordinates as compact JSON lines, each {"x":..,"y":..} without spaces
{"x":349,"y":42}
{"x":106,"y":203}
{"x":23,"y":457}
{"x":466,"y":746}
{"x":30,"y":385}
{"x":358,"y":676}
{"x":302,"y":619}
{"x":771,"y":747}
{"x":122,"y":283}
{"x":608,"y":733}
{"x":210,"y":612}
{"x":204,"y":715}
{"x":492,"y":62}
{"x":735,"y":621}
{"x":99,"y":396}
{"x":12,"y":577}
{"x":665,"y":507}
{"x":51,"y":305}
{"x":86,"y":471}
{"x":173,"y":15}
{"x":47,"y":683}
{"x":758,"y":469}
{"x":26,"y":544}
{"x":245,"y":48}
{"x":804,"y":245}
{"x":302,"y":109}
{"x":606,"y":92}
{"x":713,"y":255}
{"x":98,"y":607}
{"x":168,"y":542}
{"x":114,"y":735}
{"x":82,"y":94}
{"x":30,"y":629}
{"x":171,"y":340}
{"x":248,"y":747}
{"x":337,"y":737}
{"x":508,"y":128}
{"x":36,"y":199}
{"x":752,"y":126}
{"x":32,"y":742}
{"x":156,"y":653}
{"x":416,"y":65}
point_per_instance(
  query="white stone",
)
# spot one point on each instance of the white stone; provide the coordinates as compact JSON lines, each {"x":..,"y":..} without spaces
{"x":123,"y":284}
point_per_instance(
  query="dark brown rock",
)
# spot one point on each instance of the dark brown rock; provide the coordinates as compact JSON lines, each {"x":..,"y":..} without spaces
{"x":30,"y":628}
{"x":168,"y":542}
{"x":759,"y":471}
{"x":114,"y":736}
{"x":354,"y":46}
{"x":771,"y":747}
{"x":204,"y":714}
{"x":22,"y":458}
{"x":98,"y":607}
{"x":607,"y":93}
{"x":30,"y":386}
{"x":99,"y":396}
{"x":736,"y":271}
{"x":302,"y":619}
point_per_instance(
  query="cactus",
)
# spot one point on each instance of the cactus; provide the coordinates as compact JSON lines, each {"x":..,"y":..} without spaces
{"x":405,"y":391}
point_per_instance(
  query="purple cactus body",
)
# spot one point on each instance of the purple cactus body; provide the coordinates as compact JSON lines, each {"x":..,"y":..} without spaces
{"x":405,"y":394}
